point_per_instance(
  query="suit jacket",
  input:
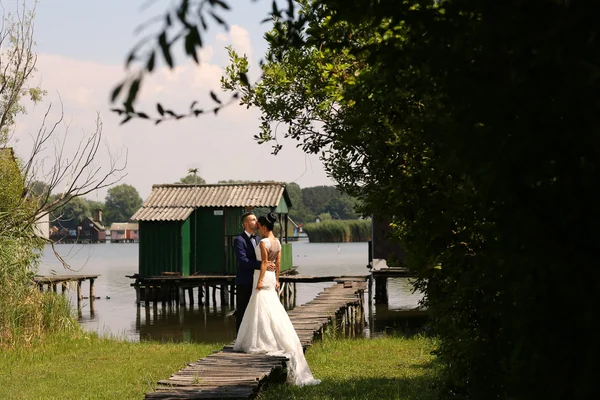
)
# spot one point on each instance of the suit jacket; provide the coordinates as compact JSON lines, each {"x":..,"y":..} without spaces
{"x":246,"y":257}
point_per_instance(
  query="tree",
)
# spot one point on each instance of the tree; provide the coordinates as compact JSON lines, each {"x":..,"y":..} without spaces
{"x":71,"y":214}
{"x":341,"y":207}
{"x":75,"y":174}
{"x":192,"y":178}
{"x":96,"y":205}
{"x":39,"y":189}
{"x":473,"y":126}
{"x":122,"y":202}
{"x":316,"y":197}
{"x":298,"y":213}
{"x":17,"y":63}
{"x":26,"y":314}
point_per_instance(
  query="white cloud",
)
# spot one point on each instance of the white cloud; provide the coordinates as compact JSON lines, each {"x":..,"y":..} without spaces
{"x":240,"y":39}
{"x":222,"y":146}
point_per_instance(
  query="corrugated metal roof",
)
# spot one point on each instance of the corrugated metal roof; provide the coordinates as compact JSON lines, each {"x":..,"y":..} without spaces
{"x":121,"y":226}
{"x":175,"y":202}
{"x":162,"y":214}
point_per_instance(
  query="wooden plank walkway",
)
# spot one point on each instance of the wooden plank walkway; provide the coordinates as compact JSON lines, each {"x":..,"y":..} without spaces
{"x":393,"y":273}
{"x":233,"y":375}
{"x":52,"y":281}
{"x":321,"y":278}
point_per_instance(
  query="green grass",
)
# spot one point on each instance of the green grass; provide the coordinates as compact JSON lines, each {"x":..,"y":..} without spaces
{"x":386,"y":368}
{"x":88,"y":367}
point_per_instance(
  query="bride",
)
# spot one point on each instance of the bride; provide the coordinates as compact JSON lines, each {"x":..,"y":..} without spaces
{"x":266,"y":327}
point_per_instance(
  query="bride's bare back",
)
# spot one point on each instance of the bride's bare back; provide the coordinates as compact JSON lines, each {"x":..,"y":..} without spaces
{"x":273,"y":249}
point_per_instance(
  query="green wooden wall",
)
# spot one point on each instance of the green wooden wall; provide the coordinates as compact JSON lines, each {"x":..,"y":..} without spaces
{"x":286,"y":257}
{"x":213,"y":231}
{"x":203,"y":244}
{"x":164,"y":247}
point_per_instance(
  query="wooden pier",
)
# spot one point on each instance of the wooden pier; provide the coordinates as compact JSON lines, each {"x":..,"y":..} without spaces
{"x":205,"y":289}
{"x":227,"y":374}
{"x":380,"y":273}
{"x":52,"y":282}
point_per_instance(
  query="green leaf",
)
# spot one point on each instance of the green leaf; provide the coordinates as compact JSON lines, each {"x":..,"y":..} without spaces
{"x":190,"y":44}
{"x":214,"y":97}
{"x":130,"y":59}
{"x":160,"y":109}
{"x":166,"y":49}
{"x":219,"y":19}
{"x":151,"y":60}
{"x":221,"y":3}
{"x":133,"y":90}
{"x":115,"y":92}
{"x":244,"y":79}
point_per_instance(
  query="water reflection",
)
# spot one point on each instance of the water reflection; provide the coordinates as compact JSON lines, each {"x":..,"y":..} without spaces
{"x":116,"y":313}
{"x":390,"y":321}
{"x":169,"y":322}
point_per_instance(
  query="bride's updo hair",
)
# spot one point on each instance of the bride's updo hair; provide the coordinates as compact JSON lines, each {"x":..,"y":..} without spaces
{"x":268,"y":221}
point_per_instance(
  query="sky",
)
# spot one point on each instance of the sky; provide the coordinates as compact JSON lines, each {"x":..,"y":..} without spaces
{"x":81,"y":47}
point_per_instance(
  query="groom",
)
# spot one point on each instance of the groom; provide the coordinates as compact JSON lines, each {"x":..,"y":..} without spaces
{"x":244,"y":245}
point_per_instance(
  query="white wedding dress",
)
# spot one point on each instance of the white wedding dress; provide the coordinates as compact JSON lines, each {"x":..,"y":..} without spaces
{"x":266,"y":327}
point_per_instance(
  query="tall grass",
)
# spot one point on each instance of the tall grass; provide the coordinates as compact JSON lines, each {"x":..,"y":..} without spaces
{"x":26,"y":314}
{"x":31,"y":316}
{"x":358,"y":230}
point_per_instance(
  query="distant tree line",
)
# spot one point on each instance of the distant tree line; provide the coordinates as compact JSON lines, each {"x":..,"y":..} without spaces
{"x":321,"y":202}
{"x":122,"y":201}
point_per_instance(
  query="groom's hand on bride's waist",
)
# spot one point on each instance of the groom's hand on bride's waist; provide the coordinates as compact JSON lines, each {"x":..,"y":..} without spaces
{"x":271,"y":266}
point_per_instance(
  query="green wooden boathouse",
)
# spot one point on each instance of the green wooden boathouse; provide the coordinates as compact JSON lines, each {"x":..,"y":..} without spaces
{"x":189,"y":229}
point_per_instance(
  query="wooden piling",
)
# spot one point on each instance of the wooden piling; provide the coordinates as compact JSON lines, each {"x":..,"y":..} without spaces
{"x":222,"y":295}
{"x":181,"y":295}
{"x":232,"y":295}
{"x":79,"y":296}
{"x":381,"y":292}
{"x":225,"y":294}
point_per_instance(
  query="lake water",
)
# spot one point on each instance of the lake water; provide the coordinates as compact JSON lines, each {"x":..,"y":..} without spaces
{"x":117,"y":314}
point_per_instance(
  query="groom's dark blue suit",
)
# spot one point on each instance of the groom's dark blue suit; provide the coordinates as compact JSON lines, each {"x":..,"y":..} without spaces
{"x":247,"y":263}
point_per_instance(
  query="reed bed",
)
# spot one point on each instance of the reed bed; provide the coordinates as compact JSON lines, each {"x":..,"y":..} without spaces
{"x":335,"y":231}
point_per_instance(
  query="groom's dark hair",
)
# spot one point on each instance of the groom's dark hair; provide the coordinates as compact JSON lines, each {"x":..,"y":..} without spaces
{"x":245,"y":215}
